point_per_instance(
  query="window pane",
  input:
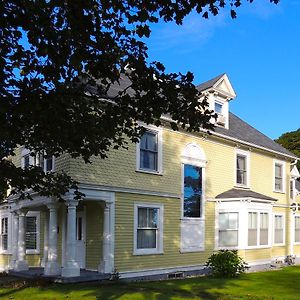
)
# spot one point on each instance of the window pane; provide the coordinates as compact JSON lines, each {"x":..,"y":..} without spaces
{"x":149,"y":141}
{"x":49,"y":164}
{"x":31,"y":234}
{"x":228,"y":238}
{"x":4,"y":233}
{"x":146,"y":238}
{"x":297,"y":229}
{"x":218,"y":108}
{"x":26,"y":161}
{"x":241,"y":169}
{"x":148,"y":160}
{"x":252,"y":220}
{"x":278,"y":170}
{"x":278,"y":236}
{"x":263,"y":237}
{"x":252,"y":237}
{"x":142,"y":217}
{"x":192,"y":191}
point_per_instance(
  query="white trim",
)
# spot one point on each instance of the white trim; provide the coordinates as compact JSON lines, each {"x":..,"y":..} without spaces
{"x":245,"y":154}
{"x":159,"y":242}
{"x":282,"y":163}
{"x":159,"y":132}
{"x":38,"y":228}
{"x":283,"y":229}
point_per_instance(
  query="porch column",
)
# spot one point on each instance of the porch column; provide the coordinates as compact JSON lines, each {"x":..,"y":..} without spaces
{"x":106,"y":264}
{"x":46,"y":239}
{"x":21,"y":263}
{"x":52,"y":267}
{"x":15,"y":231}
{"x":71,"y":267}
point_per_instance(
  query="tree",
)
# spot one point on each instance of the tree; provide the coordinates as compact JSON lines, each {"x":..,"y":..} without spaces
{"x":53,"y":52}
{"x":291,"y":141}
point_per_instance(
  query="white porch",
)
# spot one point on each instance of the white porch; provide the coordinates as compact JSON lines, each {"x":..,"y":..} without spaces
{"x":78,"y":237}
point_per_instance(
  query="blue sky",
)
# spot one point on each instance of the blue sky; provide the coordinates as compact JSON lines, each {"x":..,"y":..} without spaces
{"x":259,"y":51}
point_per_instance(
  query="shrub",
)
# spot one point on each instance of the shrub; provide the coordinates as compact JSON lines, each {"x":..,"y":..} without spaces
{"x":226,"y":263}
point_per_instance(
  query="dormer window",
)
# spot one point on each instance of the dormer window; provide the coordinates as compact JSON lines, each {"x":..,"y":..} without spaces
{"x":218,"y":108}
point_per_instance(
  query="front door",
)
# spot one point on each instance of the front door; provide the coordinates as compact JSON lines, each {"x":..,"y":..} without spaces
{"x":80,"y":238}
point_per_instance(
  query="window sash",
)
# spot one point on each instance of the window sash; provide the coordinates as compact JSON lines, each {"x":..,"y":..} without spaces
{"x":278,"y":177}
{"x":297,"y":229}
{"x":241,"y":169}
{"x":147,"y":228}
{"x":228,"y":229}
{"x":31,"y":234}
{"x":4,"y":233}
{"x":218,"y":108}
{"x":258,"y":236}
{"x":278,"y":229}
{"x":149,"y":151}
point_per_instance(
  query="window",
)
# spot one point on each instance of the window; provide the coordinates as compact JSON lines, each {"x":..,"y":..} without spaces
{"x":4,"y":234}
{"x":258,"y":221}
{"x":264,"y":231}
{"x":241,"y":169}
{"x":297,"y":229}
{"x":291,"y":189}
{"x":278,"y":177}
{"x":252,"y":229}
{"x":192,"y":193}
{"x":278,"y":229}
{"x":148,"y":229}
{"x":149,"y":152}
{"x":31,"y":233}
{"x":26,"y":159}
{"x":228,"y":229}
{"x":48,"y":163}
{"x":218,"y":108}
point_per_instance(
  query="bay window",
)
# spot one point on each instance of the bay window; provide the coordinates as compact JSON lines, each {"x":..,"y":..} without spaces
{"x":228,"y":229}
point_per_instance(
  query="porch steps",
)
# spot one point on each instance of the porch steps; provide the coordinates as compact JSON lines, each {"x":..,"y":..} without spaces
{"x":85,"y":276}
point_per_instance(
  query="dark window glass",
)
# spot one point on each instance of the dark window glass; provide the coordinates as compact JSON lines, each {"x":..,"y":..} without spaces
{"x":4,"y":233}
{"x":48,"y":163}
{"x":149,"y":151}
{"x":192,"y":191}
{"x":26,"y":161}
{"x":31,"y":233}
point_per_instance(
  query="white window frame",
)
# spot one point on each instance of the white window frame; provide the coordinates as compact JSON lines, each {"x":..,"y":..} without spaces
{"x":9,"y":232}
{"x":282,"y":163}
{"x":222,"y":107}
{"x":283,"y":229}
{"x":38,"y":229}
{"x":218,"y":230}
{"x":294,"y":229}
{"x":159,"y":244}
{"x":158,"y":132}
{"x":33,"y":160}
{"x":246,"y":154}
{"x":270,"y":228}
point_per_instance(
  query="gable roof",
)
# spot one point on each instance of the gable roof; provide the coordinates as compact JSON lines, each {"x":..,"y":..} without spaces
{"x":242,"y":131}
{"x":243,"y":193}
{"x":238,"y":129}
{"x":210,"y":83}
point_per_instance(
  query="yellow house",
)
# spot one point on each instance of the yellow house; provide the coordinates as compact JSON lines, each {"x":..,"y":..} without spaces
{"x":164,"y":205}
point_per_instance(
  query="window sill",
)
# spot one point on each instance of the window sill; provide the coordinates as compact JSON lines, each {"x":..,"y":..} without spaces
{"x":149,"y":172}
{"x":5,"y":252}
{"x":147,"y":252}
{"x":32,"y":252}
{"x":200,"y":249}
{"x":278,"y":245}
{"x":279,"y":192}
{"x":242,"y":186}
{"x":258,"y":247}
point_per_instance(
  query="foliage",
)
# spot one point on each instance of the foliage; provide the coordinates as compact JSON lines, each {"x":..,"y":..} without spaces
{"x":291,"y":141}
{"x":58,"y":63}
{"x":226,"y":263}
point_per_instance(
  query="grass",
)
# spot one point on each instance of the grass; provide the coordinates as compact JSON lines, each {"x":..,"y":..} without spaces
{"x":282,"y":284}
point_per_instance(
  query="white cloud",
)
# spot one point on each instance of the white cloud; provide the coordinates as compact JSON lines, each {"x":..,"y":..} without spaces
{"x":195,"y":30}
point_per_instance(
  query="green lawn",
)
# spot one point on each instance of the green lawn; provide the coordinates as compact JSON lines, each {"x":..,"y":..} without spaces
{"x":283,"y":284}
